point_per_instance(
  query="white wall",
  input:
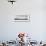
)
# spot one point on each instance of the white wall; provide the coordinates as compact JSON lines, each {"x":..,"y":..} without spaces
{"x":37,"y":26}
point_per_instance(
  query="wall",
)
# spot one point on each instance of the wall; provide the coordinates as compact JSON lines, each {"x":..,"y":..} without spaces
{"x":37,"y":27}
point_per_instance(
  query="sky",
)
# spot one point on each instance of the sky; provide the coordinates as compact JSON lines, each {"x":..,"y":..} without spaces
{"x":37,"y":25}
